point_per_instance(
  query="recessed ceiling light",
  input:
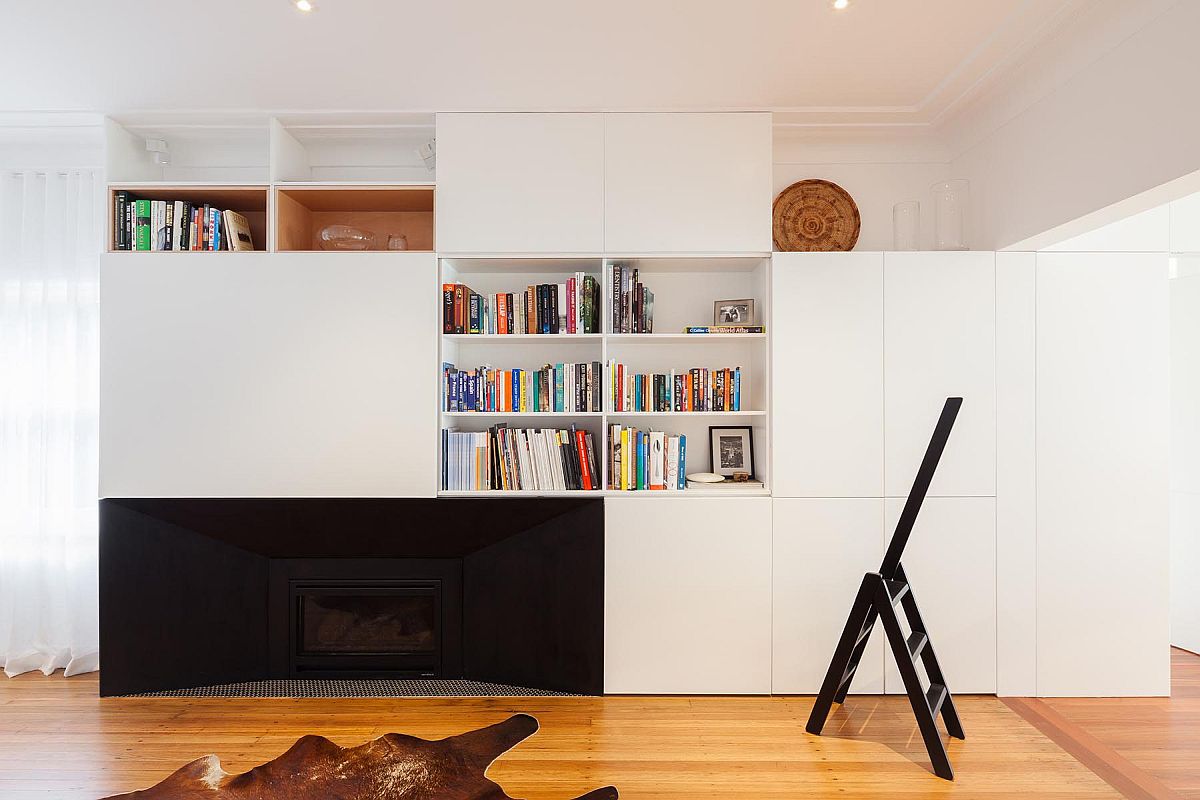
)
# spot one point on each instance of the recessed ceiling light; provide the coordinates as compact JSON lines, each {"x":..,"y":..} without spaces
{"x":841,"y":5}
{"x":307,"y":5}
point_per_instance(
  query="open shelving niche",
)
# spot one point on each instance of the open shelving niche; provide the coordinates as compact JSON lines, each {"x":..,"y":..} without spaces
{"x":288,"y":175}
{"x":685,"y":288}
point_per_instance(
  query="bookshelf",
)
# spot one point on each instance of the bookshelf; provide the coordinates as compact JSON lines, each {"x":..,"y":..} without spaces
{"x":685,"y":288}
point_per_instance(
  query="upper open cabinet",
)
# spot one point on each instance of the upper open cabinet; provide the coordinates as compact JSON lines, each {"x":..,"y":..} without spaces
{"x":352,"y":148}
{"x":188,"y":148}
{"x":354,"y":217}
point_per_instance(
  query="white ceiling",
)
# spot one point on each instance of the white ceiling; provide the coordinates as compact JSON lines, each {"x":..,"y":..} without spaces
{"x":879,"y":61}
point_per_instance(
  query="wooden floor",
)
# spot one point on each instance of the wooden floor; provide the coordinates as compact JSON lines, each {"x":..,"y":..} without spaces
{"x":59,"y":740}
{"x":1147,"y":747}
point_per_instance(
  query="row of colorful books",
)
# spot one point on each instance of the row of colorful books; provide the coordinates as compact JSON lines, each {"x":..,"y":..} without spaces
{"x":632,"y":303}
{"x":694,"y":390}
{"x":515,"y":459}
{"x":544,"y":308}
{"x":650,"y":460}
{"x":566,"y":387}
{"x":176,"y":225}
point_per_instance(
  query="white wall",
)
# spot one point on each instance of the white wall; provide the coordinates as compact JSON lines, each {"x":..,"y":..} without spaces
{"x":1185,"y":454}
{"x":1100,"y":113}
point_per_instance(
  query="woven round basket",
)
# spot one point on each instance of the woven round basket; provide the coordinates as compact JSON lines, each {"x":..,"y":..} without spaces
{"x":815,"y":215}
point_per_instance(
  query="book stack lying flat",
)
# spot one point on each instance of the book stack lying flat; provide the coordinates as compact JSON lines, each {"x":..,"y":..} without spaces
{"x":519,"y":459}
{"x":650,"y":460}
{"x":693,"y":390}
{"x":176,"y":225}
{"x":569,"y":307}
{"x":632,"y":306}
{"x":727,"y":485}
{"x":562,"y":388}
{"x":726,"y":329}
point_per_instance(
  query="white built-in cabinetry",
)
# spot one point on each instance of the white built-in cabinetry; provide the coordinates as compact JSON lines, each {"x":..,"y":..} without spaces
{"x":687,"y":595}
{"x":939,"y":340}
{"x":867,"y":348}
{"x":680,"y":183}
{"x":827,"y":372}
{"x":592,"y":183}
{"x":820,"y":549}
{"x":268,"y":375}
{"x":520,"y":183}
{"x":951,"y":561}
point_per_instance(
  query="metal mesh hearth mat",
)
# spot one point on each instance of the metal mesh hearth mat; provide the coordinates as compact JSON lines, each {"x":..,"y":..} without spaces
{"x":358,"y":688}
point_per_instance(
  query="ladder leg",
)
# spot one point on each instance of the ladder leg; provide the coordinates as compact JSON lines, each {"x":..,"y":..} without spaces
{"x":926,"y":720}
{"x":856,"y":657}
{"x":929,"y":658}
{"x":842,"y":656}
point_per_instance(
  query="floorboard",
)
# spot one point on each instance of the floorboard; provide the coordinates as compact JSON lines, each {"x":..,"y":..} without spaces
{"x":58,"y":739}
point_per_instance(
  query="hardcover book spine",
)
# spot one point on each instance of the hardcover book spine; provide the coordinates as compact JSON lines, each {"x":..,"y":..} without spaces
{"x":558,"y":308}
{"x":169,"y":234}
{"x":615,"y":300}
{"x":682,"y":462}
{"x":120,"y":201}
{"x":581,"y":453}
{"x":737,"y":389}
{"x":447,"y":308}
{"x":502,"y":313}
{"x":509,"y":325}
{"x":142,"y":225}
{"x":655,"y":481}
{"x":572,"y":306}
{"x":475,"y":314}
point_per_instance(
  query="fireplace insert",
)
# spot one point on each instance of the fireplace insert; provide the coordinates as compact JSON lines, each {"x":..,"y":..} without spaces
{"x":376,"y":627}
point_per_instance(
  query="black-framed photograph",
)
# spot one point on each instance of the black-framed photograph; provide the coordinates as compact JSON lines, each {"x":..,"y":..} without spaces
{"x":731,"y":450}
{"x":733,"y":312}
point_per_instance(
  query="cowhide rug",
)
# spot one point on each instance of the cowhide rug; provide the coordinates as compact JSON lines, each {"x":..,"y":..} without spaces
{"x":392,"y":767}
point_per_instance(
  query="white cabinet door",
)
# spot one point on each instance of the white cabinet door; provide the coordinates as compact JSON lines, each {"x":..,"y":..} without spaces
{"x":520,"y":183}
{"x":268,"y":375}
{"x":821,"y":550}
{"x":827,"y":374}
{"x":1103,"y":415}
{"x":939,"y":342}
{"x":687,"y":595}
{"x":678,"y":183}
{"x":951,"y":561}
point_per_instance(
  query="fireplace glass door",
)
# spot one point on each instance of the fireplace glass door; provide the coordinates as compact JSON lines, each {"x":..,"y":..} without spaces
{"x":373,"y":627}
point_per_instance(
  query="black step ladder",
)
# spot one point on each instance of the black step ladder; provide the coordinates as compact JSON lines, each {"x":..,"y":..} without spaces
{"x":877,"y":599}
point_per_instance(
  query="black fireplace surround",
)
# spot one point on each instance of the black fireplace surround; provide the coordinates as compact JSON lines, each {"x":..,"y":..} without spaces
{"x":199,"y":591}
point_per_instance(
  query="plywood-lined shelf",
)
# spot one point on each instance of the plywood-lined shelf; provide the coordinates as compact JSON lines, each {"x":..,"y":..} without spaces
{"x":302,"y":211}
{"x":249,"y":200}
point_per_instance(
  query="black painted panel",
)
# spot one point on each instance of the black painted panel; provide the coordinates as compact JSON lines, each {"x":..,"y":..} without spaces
{"x":176,"y":609}
{"x":534,"y":606}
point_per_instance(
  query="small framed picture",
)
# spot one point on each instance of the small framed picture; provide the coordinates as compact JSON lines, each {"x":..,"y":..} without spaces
{"x":731,"y":450}
{"x":733,"y":312}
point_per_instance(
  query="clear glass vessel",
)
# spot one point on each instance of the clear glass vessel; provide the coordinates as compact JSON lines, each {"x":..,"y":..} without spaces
{"x":906,"y":225}
{"x":950,"y":214}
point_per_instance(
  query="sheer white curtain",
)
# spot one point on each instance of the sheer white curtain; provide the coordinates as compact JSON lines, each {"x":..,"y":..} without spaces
{"x":50,"y":234}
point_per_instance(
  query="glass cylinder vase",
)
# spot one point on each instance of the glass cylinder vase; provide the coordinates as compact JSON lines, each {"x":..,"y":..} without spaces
{"x":950,"y":214}
{"x":906,"y":225}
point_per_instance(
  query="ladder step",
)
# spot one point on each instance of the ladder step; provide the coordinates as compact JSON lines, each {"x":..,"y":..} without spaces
{"x":935,"y":697}
{"x":916,"y":643}
{"x":847,"y":675}
{"x":864,"y":633}
{"x":897,"y":590}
